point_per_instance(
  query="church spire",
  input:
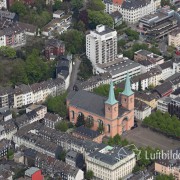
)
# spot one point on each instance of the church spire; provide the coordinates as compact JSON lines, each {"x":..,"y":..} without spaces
{"x":111,"y":99}
{"x":127,"y":90}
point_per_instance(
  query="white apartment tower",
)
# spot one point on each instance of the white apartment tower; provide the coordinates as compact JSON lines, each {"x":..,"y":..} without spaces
{"x":101,"y":45}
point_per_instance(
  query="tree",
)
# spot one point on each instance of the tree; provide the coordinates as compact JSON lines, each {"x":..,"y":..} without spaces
{"x":83,"y":16}
{"x":101,"y":128}
{"x":85,"y":69}
{"x":76,"y":4}
{"x":165,"y":177}
{"x":19,"y":8}
{"x":62,"y":126}
{"x":8,"y":51}
{"x":132,"y":35}
{"x":139,"y":85}
{"x":80,"y":26}
{"x":165,"y":2}
{"x":96,"y":5}
{"x":99,"y":17}
{"x":80,"y":120}
{"x":103,"y":90}
{"x":57,"y":5}
{"x":57,"y":104}
{"x":89,"y":174}
{"x":62,"y":156}
{"x":19,"y":73}
{"x":10,"y":153}
{"x":121,"y":42}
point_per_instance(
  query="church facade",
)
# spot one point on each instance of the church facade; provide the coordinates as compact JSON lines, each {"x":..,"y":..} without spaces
{"x":114,"y":116}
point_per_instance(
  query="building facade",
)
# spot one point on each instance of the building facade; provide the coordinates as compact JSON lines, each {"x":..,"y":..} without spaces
{"x":174,"y":38}
{"x":111,"y":163}
{"x":101,"y":45}
{"x":102,"y":112}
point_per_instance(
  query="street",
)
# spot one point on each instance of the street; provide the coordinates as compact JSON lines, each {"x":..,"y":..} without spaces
{"x":74,"y":73}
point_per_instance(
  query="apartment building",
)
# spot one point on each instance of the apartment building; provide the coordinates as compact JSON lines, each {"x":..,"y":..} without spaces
{"x":111,"y":163}
{"x":6,"y":97}
{"x":147,"y":59}
{"x":162,"y":104}
{"x":174,"y":38}
{"x":169,"y":166}
{"x":60,"y":25}
{"x":132,"y":10}
{"x":159,"y":24}
{"x":3,"y":4}
{"x":119,"y":68}
{"x":25,"y":94}
{"x":141,"y":110}
{"x":101,"y":45}
{"x":93,"y":82}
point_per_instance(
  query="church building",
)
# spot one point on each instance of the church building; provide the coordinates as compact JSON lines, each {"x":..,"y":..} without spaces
{"x":114,"y":115}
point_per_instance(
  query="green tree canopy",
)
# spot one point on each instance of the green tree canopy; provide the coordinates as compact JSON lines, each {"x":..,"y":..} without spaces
{"x":62,"y":126}
{"x":165,"y":177}
{"x":80,"y":120}
{"x":8,"y":51}
{"x":19,"y":8}
{"x":89,"y":175}
{"x":57,"y":104}
{"x":57,"y":5}
{"x":99,"y":17}
{"x":96,"y":5}
{"x":74,"y":41}
{"x":77,"y":4}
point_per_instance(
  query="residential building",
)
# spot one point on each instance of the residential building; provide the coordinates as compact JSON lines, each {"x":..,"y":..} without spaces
{"x":132,"y":11}
{"x":119,"y":68}
{"x":101,"y":45}
{"x":3,"y":4}
{"x":117,"y":18}
{"x":175,"y":94}
{"x":159,"y":24}
{"x":174,"y":38}
{"x":34,"y":173}
{"x":27,"y":118}
{"x":93,"y":82}
{"x":4,"y":147}
{"x":8,"y":16}
{"x":169,"y":166}
{"x":147,"y":59}
{"x":163,"y":90}
{"x":83,"y":132}
{"x":149,"y":99}
{"x":59,"y":25}
{"x":8,"y":129}
{"x":167,"y":69}
{"x":141,"y":110}
{"x":58,"y":168}
{"x":174,"y":106}
{"x":27,"y":94}
{"x":150,"y":78}
{"x":64,"y":69}
{"x":174,"y":80}
{"x":176,"y":65}
{"x":51,"y":120}
{"x":39,"y":109}
{"x":162,"y":104}
{"x":111,"y":163}
{"x":23,"y":95}
{"x":6,"y":97}
{"x":5,"y":115}
{"x":58,"y":14}
{"x":74,"y":159}
{"x":54,"y":48}
{"x":101,"y":111}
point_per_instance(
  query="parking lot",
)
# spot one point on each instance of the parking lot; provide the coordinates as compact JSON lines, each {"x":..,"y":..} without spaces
{"x":145,"y":137}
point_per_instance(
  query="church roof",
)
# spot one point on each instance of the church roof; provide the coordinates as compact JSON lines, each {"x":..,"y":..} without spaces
{"x":127,"y":90}
{"x":111,"y":99}
{"x":90,"y":102}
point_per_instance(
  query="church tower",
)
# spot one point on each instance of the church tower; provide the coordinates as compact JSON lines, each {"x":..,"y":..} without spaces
{"x":111,"y":105}
{"x":127,"y":96}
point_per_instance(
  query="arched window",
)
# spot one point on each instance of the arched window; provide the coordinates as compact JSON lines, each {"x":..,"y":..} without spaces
{"x":108,"y":128}
{"x":72,"y":113}
{"x":90,"y":121}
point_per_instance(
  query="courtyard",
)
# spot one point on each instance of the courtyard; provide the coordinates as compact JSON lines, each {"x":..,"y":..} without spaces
{"x":141,"y":136}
